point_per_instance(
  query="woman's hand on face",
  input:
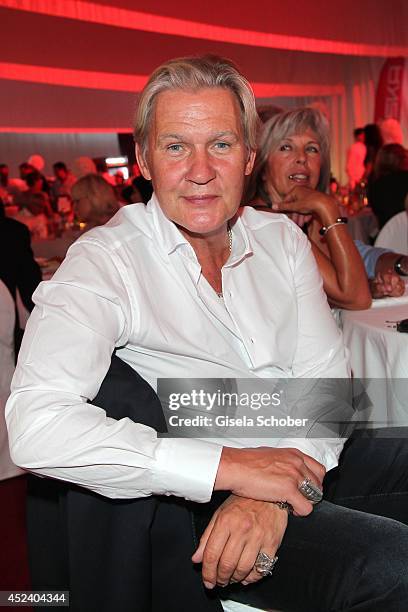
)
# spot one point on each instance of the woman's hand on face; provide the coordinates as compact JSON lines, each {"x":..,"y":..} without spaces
{"x":306,"y":201}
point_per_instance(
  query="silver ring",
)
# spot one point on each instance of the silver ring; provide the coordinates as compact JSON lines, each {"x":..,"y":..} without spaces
{"x":310,"y":491}
{"x":264,"y":564}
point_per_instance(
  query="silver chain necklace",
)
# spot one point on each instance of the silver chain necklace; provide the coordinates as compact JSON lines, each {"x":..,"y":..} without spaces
{"x":229,"y":230}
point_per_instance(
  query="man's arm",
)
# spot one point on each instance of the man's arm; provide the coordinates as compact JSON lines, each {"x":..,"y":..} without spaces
{"x":80,"y":317}
{"x":392,"y":261}
{"x":385,"y":270}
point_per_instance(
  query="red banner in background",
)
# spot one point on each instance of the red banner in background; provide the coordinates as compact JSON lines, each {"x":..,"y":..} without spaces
{"x":388,"y":100}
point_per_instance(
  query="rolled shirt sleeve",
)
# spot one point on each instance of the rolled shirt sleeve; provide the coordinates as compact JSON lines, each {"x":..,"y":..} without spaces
{"x":370,"y":256}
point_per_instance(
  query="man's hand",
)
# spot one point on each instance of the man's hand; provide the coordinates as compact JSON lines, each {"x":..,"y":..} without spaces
{"x":387,"y":284}
{"x":269,"y":474}
{"x":237,"y":532}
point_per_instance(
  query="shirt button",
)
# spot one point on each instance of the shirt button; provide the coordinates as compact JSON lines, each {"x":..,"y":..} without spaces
{"x":252,"y":340}
{"x":230,"y":293}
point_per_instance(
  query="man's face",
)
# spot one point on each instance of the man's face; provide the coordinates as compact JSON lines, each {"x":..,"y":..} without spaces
{"x":197,"y":158}
{"x":60,"y":173}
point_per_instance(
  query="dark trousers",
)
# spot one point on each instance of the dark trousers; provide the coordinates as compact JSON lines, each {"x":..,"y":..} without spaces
{"x":115,"y":555}
{"x":134,"y":555}
{"x":351,"y":553}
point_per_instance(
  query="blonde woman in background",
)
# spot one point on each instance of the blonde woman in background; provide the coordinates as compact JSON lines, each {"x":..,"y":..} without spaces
{"x":94,"y":200}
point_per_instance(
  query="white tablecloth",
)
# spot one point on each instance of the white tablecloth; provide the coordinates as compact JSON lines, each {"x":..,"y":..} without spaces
{"x":379,"y":354}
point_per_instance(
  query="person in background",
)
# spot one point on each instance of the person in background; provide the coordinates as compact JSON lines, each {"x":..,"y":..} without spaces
{"x":35,"y":200}
{"x":102,"y":170}
{"x":388,"y":189}
{"x":356,"y":155}
{"x":373,"y":143}
{"x":119,"y":178}
{"x":62,"y":185}
{"x":130,"y":195}
{"x":24,"y":169}
{"x":291,"y":174}
{"x":9,"y":188}
{"x":134,"y":173}
{"x":18,"y":272}
{"x":94,"y":200}
{"x":391,"y":131}
{"x":120,"y":186}
{"x":138,"y":189}
{"x":18,"y":268}
{"x":386,"y":270}
{"x":37,"y":162}
{"x":35,"y":208}
{"x":144,"y":187}
{"x":275,"y":184}
{"x":7,"y":364}
{"x":83,"y":166}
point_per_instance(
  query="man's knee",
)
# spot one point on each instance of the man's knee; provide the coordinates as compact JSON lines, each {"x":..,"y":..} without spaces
{"x":382,"y":577}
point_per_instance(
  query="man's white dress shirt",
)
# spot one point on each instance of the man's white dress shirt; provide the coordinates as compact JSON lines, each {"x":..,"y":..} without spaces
{"x":135,"y":284}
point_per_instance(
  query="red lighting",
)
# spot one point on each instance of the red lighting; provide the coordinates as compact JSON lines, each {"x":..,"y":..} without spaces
{"x":148,"y":22}
{"x":135,"y":82}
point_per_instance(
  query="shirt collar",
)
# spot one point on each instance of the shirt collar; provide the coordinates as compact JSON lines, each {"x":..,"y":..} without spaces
{"x":170,"y":238}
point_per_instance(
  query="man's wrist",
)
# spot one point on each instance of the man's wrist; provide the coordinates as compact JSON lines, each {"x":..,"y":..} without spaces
{"x":222,"y":479}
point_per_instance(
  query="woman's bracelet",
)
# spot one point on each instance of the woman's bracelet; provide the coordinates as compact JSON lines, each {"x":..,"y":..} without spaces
{"x":339,"y":221}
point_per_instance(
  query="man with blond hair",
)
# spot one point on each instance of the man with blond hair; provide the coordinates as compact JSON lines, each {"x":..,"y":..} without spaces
{"x":191,"y":287}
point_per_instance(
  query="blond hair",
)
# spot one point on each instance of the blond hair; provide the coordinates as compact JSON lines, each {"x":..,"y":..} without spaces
{"x":194,"y":73}
{"x":99,"y":193}
{"x":276,"y":129}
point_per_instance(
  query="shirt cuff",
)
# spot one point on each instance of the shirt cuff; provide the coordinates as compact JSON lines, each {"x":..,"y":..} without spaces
{"x":186,"y":468}
{"x":325,"y":451}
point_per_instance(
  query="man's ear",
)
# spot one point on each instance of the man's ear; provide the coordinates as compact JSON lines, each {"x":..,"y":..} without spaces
{"x":142,"y":163}
{"x":250,"y":163}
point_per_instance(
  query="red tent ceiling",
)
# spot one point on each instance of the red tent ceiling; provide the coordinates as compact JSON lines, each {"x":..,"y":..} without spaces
{"x":75,"y":66}
{"x":302,"y":48}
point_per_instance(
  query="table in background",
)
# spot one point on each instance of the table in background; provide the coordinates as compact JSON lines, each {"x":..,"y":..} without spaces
{"x":379,"y":355}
